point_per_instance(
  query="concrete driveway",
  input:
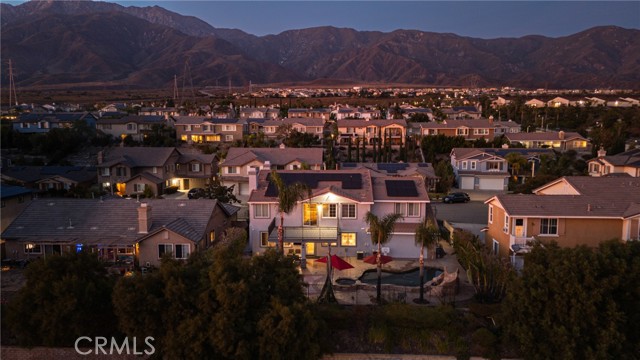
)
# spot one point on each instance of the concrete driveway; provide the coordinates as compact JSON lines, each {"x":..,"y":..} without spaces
{"x":471,"y":216}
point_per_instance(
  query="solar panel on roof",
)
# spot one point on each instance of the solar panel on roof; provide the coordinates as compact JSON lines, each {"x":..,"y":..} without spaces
{"x":348,"y":181}
{"x":401,"y":188}
{"x":392,"y":167}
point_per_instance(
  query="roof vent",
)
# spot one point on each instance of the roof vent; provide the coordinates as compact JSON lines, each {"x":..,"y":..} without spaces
{"x":182,"y":205}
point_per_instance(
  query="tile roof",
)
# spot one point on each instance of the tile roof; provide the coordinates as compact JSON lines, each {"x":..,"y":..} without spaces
{"x":109,"y":221}
{"x":137,"y":156}
{"x":542,"y":136}
{"x":30,"y":174}
{"x":276,"y":156}
{"x":597,"y":197}
{"x":372,"y":122}
{"x":53,"y":117}
{"x":627,"y":158}
{"x":465,"y":153}
{"x":138,"y":119}
{"x":354,"y":184}
{"x":404,"y":169}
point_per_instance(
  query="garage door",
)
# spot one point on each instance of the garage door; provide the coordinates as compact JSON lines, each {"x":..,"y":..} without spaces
{"x":244,"y":189}
{"x":491,"y":184}
{"x":466,"y":183}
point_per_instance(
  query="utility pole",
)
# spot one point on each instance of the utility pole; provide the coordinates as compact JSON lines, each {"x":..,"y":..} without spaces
{"x":12,"y":86}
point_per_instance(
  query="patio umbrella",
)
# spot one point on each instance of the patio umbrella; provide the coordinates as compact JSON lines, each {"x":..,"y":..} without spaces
{"x":336,"y":262}
{"x":373,"y":259}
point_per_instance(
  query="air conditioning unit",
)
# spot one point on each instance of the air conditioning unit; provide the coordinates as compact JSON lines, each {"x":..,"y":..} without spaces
{"x":385,"y":250}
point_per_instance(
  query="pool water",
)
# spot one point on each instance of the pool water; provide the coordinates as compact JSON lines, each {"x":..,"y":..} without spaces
{"x":407,"y":278}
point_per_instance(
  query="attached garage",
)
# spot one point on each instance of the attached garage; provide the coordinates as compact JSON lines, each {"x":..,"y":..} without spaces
{"x":466,"y":183}
{"x":491,"y":183}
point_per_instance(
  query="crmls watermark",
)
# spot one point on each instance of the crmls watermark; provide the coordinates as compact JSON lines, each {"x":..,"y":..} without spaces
{"x":101,"y":345}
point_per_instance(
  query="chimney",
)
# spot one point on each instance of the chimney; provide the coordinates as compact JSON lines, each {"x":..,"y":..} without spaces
{"x":561,"y":135}
{"x":253,"y":179}
{"x":144,"y":218}
{"x":282,"y":146}
{"x":100,"y":157}
{"x":267,"y":165}
{"x":602,"y":152}
{"x":491,"y":119}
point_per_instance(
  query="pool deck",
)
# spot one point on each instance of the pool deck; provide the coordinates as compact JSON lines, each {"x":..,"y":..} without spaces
{"x":315,"y":273}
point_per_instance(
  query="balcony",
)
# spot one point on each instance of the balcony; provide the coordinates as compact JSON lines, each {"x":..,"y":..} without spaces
{"x":520,"y":244}
{"x":306,"y":233}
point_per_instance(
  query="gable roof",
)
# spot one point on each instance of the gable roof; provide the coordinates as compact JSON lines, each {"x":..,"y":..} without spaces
{"x":138,"y":119}
{"x":543,"y":136}
{"x":466,"y":153}
{"x":107,"y":222}
{"x":11,"y":191}
{"x":54,"y":117}
{"x":276,"y":156}
{"x":372,"y":122}
{"x":28,"y":174}
{"x":628,"y":158}
{"x":138,"y":156}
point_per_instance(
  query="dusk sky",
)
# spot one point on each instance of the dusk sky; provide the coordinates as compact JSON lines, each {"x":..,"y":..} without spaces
{"x":483,"y":19}
{"x":468,"y":18}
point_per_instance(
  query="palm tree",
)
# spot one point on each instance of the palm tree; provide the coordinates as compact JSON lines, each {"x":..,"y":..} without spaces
{"x":381,"y":230}
{"x":288,"y":196}
{"x":427,"y":235}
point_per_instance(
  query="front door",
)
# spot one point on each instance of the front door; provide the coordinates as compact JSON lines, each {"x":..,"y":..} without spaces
{"x":519,"y":227}
{"x":185,"y":184}
{"x":310,"y":215}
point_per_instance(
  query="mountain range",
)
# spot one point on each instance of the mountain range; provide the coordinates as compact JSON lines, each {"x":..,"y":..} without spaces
{"x":86,"y":44}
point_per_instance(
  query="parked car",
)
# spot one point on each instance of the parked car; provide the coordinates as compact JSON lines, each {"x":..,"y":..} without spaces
{"x":456,"y":197}
{"x":196,"y":193}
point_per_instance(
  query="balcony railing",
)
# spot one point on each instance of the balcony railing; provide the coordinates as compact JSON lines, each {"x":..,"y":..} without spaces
{"x":306,"y":233}
{"x":520,"y":240}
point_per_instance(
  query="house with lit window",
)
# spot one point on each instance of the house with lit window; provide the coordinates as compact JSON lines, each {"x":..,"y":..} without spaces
{"x":623,"y":164}
{"x":461,"y":112}
{"x":489,"y":168}
{"x":557,"y":140}
{"x":31,"y":123}
{"x":128,"y":170}
{"x":319,"y":113}
{"x":333,"y":213}
{"x":136,"y":126}
{"x":346,"y":112}
{"x":470,"y":129}
{"x":396,"y":129}
{"x":571,"y":211}
{"x":259,"y":112}
{"x":204,"y":129}
{"x":121,"y":232}
{"x":314,"y":126}
{"x":235,"y":167}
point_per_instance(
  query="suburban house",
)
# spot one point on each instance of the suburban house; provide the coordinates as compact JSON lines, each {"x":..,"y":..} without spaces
{"x":574,"y":210}
{"x":32,"y":123}
{"x":204,"y":129}
{"x":259,"y":112}
{"x":14,"y":200}
{"x":409,"y":110}
{"x":559,"y":101}
{"x":128,"y":170}
{"x":235,"y":167}
{"x":334,"y":212}
{"x":488,"y":168}
{"x":470,"y":129}
{"x":319,"y":113}
{"x":159,"y":111}
{"x":624,"y":164}
{"x":422,"y":170}
{"x":122,"y":232}
{"x":44,"y":178}
{"x":372,"y":129}
{"x":535,"y":103}
{"x":347,"y":112}
{"x":313,"y":126}
{"x":136,"y":126}
{"x":462,"y":112}
{"x":557,"y":140}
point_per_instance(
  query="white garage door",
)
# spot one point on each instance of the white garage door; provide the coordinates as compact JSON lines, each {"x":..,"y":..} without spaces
{"x":466,"y":183}
{"x":244,"y":188}
{"x":491,"y":184}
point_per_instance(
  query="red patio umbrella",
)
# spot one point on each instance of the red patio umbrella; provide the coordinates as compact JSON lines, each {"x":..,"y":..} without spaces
{"x":373,"y":259}
{"x":336,"y":262}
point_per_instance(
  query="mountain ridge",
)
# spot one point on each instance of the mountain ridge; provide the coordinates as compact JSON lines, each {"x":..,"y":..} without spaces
{"x":99,"y":42}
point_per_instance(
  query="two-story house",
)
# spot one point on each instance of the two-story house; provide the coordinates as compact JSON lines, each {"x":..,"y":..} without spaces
{"x":488,"y":168}
{"x":396,"y":129}
{"x":313,"y":126}
{"x":136,"y":126}
{"x":342,"y":113}
{"x":422,"y":170}
{"x":122,"y":232}
{"x":623,"y":164}
{"x":159,"y":111}
{"x":573,"y":210}
{"x":44,"y":178}
{"x":259,"y":112}
{"x":334,"y":212}
{"x":236,"y":165}
{"x":557,"y":140}
{"x":319,"y":113}
{"x":204,"y":129}
{"x":461,"y":112}
{"x":470,"y":129}
{"x":32,"y":123}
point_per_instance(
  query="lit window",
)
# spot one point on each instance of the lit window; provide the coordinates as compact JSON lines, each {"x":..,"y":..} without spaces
{"x":325,"y":244}
{"x":264,"y":240}
{"x":212,"y":236}
{"x":548,"y":226}
{"x":32,"y":249}
{"x":329,"y":211}
{"x":261,"y":211}
{"x":348,"y":239}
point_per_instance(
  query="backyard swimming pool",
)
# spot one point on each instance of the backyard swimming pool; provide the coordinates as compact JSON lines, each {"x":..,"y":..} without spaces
{"x":406,"y":278}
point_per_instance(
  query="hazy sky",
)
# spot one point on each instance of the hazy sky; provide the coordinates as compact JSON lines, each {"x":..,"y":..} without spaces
{"x":484,"y":19}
